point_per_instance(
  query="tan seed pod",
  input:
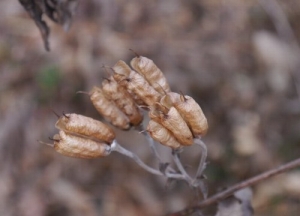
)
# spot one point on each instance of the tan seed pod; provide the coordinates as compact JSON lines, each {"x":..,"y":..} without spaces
{"x":137,"y":84}
{"x":85,"y":126}
{"x":122,"y":99}
{"x":151,"y":72}
{"x":79,"y":147}
{"x":108,"y":109}
{"x":121,"y":73}
{"x":175,"y":123}
{"x":162,"y":135}
{"x":189,"y":109}
{"x":122,"y":70}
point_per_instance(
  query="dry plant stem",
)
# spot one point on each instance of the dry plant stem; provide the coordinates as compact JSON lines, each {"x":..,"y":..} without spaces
{"x":247,"y":183}
{"x":202,"y":163}
{"x":150,"y":142}
{"x":180,"y":167}
{"x":118,"y":148}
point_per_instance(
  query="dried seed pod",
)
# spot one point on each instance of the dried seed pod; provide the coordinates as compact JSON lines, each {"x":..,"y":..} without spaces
{"x":176,"y":124}
{"x":122,"y":99}
{"x":137,"y":84}
{"x":85,"y":126}
{"x":162,"y":135}
{"x":121,"y":73}
{"x":79,"y":147}
{"x":108,"y":109}
{"x":189,"y":109}
{"x":122,"y":70}
{"x":151,"y":72}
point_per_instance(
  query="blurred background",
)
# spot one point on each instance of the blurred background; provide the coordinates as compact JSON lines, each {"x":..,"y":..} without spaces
{"x":239,"y":59}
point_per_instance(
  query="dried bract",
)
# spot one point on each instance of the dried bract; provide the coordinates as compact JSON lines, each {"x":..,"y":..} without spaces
{"x":108,"y":109}
{"x":162,"y":135}
{"x":79,"y":147}
{"x":151,"y":72}
{"x":122,"y":99}
{"x":189,"y":109}
{"x":85,"y":126}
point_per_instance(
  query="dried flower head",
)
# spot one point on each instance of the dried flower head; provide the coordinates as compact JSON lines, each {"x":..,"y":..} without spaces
{"x":122,"y":99}
{"x":85,"y":126}
{"x":151,"y":72}
{"x":189,"y":109}
{"x":108,"y":109}
{"x":74,"y":146}
{"x":162,"y":135}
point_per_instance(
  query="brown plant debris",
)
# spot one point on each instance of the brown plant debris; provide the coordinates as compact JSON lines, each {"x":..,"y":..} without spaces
{"x":59,"y":11}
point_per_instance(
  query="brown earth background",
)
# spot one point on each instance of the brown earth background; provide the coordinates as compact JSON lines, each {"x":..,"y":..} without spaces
{"x":238,"y":59}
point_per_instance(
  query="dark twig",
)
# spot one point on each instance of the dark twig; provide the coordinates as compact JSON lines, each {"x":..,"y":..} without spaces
{"x":247,"y":183}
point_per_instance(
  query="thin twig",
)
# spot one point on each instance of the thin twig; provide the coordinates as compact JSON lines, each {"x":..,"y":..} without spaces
{"x":150,"y":142}
{"x":118,"y":148}
{"x":180,"y":167}
{"x":202,"y":163}
{"x":224,"y":194}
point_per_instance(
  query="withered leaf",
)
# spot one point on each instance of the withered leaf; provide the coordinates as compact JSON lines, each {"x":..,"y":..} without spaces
{"x":59,"y":11}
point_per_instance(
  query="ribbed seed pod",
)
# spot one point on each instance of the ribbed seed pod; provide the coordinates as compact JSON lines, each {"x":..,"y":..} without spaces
{"x":108,"y":109}
{"x":137,"y":84}
{"x":151,"y":72}
{"x":121,"y":73}
{"x":79,"y":147}
{"x":122,"y":99}
{"x":189,"y":109}
{"x":85,"y":126}
{"x":162,"y":135}
{"x":175,"y":123}
{"x":121,"y":70}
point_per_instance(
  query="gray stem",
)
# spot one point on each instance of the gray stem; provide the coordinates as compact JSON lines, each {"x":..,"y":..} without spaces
{"x":118,"y":148}
{"x":202,"y":163}
{"x":180,"y":167}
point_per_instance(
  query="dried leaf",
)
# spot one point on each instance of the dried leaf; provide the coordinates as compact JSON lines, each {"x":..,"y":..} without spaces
{"x":60,"y":11}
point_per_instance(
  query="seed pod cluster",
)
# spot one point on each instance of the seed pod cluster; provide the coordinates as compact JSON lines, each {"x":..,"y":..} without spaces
{"x":82,"y":137}
{"x":180,"y":116}
{"x":146,"y":83}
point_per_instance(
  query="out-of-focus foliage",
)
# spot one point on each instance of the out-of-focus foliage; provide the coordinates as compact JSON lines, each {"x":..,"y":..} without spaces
{"x":228,"y":55}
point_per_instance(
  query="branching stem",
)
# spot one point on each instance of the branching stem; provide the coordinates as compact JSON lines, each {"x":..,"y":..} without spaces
{"x":224,"y":194}
{"x":118,"y":148}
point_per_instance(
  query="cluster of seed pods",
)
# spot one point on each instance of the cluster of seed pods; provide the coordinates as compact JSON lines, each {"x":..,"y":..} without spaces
{"x":175,"y":119}
{"x":82,"y":137}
